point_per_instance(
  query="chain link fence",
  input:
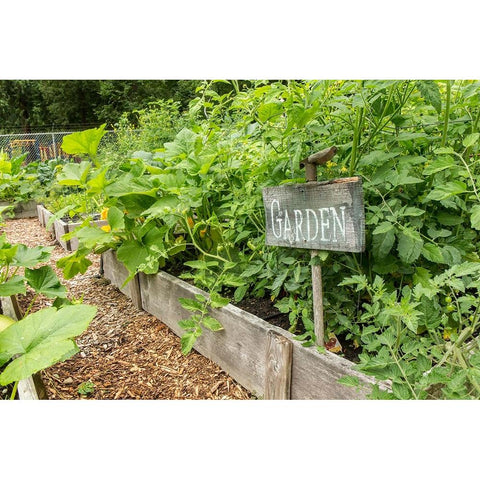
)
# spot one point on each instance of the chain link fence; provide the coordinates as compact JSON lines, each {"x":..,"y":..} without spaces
{"x":39,"y":146}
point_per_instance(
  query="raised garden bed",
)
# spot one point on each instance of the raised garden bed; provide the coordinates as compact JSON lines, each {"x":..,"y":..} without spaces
{"x":60,"y":228}
{"x":31,"y":388}
{"x":23,"y":209}
{"x":249,"y":349}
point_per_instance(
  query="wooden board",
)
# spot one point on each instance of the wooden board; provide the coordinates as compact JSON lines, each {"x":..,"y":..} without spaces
{"x":316,"y":215}
{"x":117,"y":274}
{"x":241,"y":347}
{"x":23,"y":209}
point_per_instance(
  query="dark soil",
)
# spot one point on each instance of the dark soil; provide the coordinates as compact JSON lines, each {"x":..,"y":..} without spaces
{"x":265,"y":309}
{"x":78,"y":218}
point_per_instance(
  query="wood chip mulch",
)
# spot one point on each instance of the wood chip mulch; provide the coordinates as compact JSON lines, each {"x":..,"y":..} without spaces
{"x":125,"y":353}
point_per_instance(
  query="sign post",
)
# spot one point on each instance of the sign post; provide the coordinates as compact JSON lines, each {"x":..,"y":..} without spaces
{"x":316,"y":216}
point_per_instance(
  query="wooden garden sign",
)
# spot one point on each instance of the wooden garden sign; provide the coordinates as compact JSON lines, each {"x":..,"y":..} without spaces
{"x":316,"y":216}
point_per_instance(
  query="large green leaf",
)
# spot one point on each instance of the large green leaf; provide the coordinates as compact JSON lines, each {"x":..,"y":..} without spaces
{"x":44,"y":280}
{"x":74,"y":263}
{"x":84,"y":142}
{"x":13,"y":286}
{"x":42,"y":339}
{"x":409,"y":245}
{"x":74,"y":174}
{"x":184,"y":143}
{"x":116,"y":218}
{"x":90,"y":237}
{"x":31,"y":256}
{"x":132,"y":254}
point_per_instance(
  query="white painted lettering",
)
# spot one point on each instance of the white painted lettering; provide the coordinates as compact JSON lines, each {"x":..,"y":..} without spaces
{"x":324,"y":223}
{"x":337,"y":222}
{"x":298,"y":225}
{"x":309,"y":212}
{"x":288,"y":228}
{"x":276,"y":218}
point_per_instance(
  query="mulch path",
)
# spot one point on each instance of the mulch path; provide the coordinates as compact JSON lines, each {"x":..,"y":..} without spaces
{"x":126,"y":353}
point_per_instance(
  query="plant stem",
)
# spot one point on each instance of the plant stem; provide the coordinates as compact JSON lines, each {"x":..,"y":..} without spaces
{"x":356,"y":140}
{"x":14,"y":391}
{"x":447,"y":114}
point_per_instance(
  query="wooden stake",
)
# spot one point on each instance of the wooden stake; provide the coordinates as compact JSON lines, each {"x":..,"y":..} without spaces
{"x":310,"y":164}
{"x":317,"y":293}
{"x":278,"y":367}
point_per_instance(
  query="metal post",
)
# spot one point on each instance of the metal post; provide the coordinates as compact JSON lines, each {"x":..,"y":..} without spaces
{"x":310,"y":163}
{"x":54,"y":145}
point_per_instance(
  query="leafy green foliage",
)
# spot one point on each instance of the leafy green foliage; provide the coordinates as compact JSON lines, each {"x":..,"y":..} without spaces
{"x":191,"y":199}
{"x":41,"y":339}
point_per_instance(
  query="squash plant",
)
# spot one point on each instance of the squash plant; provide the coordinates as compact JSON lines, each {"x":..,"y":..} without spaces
{"x":45,"y":337}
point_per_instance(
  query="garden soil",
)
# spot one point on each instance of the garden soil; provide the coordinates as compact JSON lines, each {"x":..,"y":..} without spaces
{"x":125,"y":353}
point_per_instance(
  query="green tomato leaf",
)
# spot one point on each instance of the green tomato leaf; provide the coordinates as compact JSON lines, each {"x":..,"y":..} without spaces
{"x":447,"y":190}
{"x":383,"y":242}
{"x":410,"y":245}
{"x":475,"y":217}
{"x":471,"y":140}
{"x":192,"y":305}
{"x":211,"y":323}
{"x":430,"y":93}
{"x":188,"y":341}
{"x":432,"y":252}
{"x":217,"y":301}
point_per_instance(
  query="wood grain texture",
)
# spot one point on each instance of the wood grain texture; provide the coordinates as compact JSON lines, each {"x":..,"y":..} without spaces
{"x":317,"y":295}
{"x":240,"y":347}
{"x":278,"y":367}
{"x":316,"y":215}
{"x":116,"y":272}
{"x":61,"y":228}
{"x":23,"y":209}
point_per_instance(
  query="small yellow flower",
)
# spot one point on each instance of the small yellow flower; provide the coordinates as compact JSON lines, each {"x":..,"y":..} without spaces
{"x":104,"y":213}
{"x":106,"y":228}
{"x":330,"y":164}
{"x":203,"y":232}
{"x":344,"y":169}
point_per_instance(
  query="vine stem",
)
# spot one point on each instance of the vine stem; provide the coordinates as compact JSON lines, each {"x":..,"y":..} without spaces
{"x":14,"y":391}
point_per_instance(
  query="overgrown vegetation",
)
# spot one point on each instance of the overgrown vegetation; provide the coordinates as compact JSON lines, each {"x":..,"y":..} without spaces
{"x":187,"y":194}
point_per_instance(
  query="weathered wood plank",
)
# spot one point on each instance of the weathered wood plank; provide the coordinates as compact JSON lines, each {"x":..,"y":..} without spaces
{"x":23,"y":209}
{"x":278,"y":367}
{"x":240,"y":347}
{"x":117,"y":274}
{"x":316,"y":215}
{"x":61,"y":228}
